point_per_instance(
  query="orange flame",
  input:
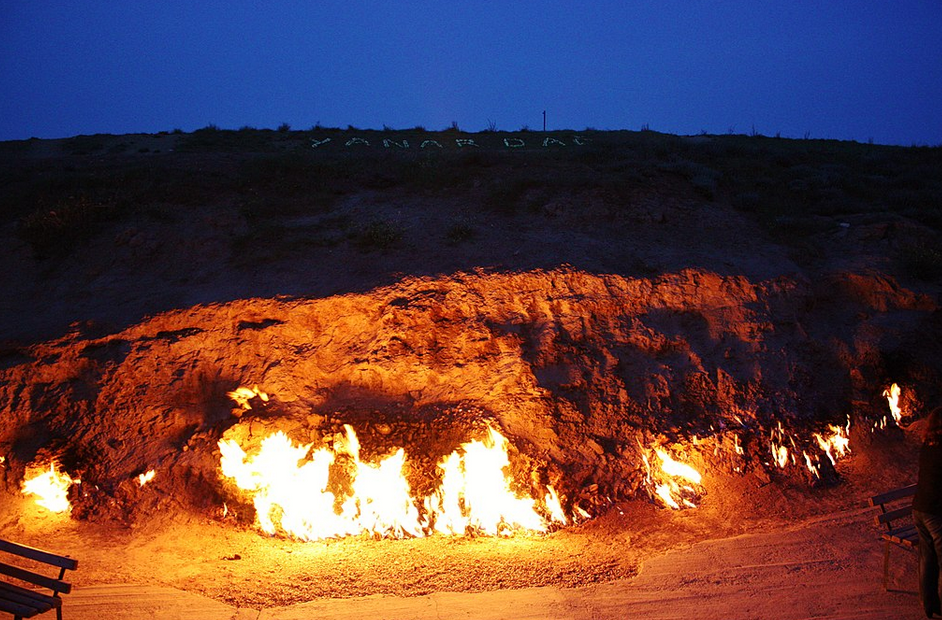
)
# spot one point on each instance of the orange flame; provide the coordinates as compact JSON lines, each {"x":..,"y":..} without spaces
{"x":146,"y":477}
{"x":892,"y":395}
{"x":288,"y":484}
{"x":676,"y":484}
{"x":242,"y":396}
{"x":475,"y":493}
{"x":837,"y":443}
{"x":50,"y":487}
{"x":780,"y":452}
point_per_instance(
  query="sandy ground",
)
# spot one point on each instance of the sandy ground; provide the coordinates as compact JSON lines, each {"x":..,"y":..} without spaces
{"x":750,"y":550}
{"x":825,"y":567}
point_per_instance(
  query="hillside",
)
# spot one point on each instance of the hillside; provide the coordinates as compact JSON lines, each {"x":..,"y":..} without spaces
{"x":731,"y":301}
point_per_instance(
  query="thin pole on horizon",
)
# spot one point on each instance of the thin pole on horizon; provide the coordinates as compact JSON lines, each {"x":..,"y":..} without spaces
{"x":544,"y":120}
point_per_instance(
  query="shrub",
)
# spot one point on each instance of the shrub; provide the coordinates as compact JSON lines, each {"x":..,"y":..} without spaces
{"x":462,"y":229}
{"x":56,"y":231}
{"x":923,"y":261}
{"x":378,"y":235}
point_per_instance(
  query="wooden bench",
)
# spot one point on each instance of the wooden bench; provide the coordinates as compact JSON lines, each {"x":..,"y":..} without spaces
{"x":896,"y":515}
{"x":26,"y":603}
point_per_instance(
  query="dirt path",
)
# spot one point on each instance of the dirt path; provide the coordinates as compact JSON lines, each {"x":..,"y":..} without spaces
{"x":825,"y":567}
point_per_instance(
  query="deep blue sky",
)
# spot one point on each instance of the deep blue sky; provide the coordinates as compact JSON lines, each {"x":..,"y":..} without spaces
{"x":845,"y":69}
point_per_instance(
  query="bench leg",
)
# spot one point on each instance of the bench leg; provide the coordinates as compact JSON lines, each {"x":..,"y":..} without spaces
{"x":886,"y":567}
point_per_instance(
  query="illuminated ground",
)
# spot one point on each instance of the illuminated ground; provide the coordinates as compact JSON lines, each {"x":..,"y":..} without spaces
{"x":244,"y":568}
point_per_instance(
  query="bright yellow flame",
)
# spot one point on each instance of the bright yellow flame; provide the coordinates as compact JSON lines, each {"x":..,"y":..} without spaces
{"x":288,"y":484}
{"x":146,"y":477}
{"x":475,"y":493}
{"x":812,"y":466}
{"x":892,"y":395}
{"x":780,"y":452}
{"x":242,"y":396}
{"x":554,"y":506}
{"x":737,"y":446}
{"x":837,"y":443}
{"x":664,"y":492}
{"x":677,"y":469}
{"x":51,"y":488}
{"x":675,"y":483}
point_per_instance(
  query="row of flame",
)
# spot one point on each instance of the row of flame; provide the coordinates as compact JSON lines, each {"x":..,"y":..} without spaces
{"x":474,"y":496}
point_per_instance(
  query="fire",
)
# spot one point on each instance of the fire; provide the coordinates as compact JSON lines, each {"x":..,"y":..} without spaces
{"x":51,"y":488}
{"x":677,"y":484}
{"x":678,"y":470}
{"x":242,"y":396}
{"x":294,"y":491}
{"x":475,"y":494}
{"x":837,"y":443}
{"x":780,"y":452}
{"x":146,"y":477}
{"x":892,"y":395}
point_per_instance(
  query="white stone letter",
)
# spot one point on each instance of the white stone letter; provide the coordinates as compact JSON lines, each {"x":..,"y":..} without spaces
{"x":549,"y":141}
{"x":403,"y":145}
{"x":514,"y":143}
{"x":426,"y":143}
{"x":465,"y":142}
{"x":353,"y":141}
{"x":317,"y":143}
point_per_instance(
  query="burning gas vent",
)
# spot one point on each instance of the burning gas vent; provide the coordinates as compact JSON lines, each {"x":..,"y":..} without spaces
{"x":484,"y":404}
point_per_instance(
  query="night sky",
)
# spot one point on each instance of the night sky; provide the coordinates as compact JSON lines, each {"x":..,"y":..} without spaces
{"x":851,"y":70}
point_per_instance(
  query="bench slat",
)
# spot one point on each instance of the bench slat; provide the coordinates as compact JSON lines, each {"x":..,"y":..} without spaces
{"x":17,"y":609}
{"x":38,"y":554}
{"x":40,"y":580}
{"x":893,"y":495}
{"x":8,"y":590}
{"x":902,"y":542}
{"x":907,"y":537}
{"x":24,"y":601}
{"x":904,"y":531}
{"x":893,"y":515}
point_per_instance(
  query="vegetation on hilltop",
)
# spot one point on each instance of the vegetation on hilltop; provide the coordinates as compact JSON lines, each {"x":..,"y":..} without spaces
{"x":62,"y":192}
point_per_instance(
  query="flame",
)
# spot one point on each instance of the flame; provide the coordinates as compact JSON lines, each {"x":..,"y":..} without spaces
{"x":146,"y":477}
{"x":51,"y":488}
{"x":242,"y":396}
{"x":892,"y":395}
{"x":678,"y":470}
{"x":812,"y":466}
{"x":475,"y":494}
{"x":837,"y":443}
{"x":289,"y":484}
{"x":834,"y":444}
{"x":780,"y":452}
{"x":737,"y":446}
{"x":672,"y":492}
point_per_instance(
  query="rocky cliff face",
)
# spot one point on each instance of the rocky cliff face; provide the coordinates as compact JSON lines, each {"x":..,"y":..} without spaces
{"x":583,"y":372}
